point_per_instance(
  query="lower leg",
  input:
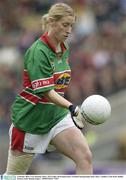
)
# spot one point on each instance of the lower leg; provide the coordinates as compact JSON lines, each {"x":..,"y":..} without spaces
{"x":18,"y":163}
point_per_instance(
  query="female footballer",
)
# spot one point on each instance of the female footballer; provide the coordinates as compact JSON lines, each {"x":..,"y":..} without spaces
{"x":40,"y":114}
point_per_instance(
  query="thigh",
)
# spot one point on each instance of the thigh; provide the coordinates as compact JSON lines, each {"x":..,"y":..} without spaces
{"x":70,"y":142}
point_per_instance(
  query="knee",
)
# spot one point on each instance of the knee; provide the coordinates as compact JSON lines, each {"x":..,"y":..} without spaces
{"x":88,"y":156}
{"x":83,"y":155}
{"x":17,"y":153}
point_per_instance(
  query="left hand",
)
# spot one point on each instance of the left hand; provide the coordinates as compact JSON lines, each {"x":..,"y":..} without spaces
{"x":76,"y":116}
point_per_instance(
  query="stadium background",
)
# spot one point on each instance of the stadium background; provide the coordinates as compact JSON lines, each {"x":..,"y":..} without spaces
{"x":98,"y":61}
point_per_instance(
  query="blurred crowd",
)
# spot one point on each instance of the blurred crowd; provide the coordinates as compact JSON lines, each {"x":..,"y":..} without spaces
{"x":98,"y":47}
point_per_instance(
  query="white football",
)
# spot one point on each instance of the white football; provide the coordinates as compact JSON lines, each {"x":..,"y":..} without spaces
{"x":96,"y":109}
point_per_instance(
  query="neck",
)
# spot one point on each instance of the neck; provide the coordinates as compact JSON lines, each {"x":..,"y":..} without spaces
{"x":53,"y":39}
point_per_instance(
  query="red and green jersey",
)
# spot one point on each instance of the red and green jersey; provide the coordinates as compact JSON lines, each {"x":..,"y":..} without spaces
{"x":44,"y":69}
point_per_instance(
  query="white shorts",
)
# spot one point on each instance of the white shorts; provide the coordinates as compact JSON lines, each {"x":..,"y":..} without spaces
{"x":32,"y":143}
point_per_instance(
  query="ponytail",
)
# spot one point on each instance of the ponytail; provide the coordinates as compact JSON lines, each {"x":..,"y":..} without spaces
{"x":45,"y":22}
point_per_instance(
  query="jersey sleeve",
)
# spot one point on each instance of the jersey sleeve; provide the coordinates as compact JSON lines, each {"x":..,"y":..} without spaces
{"x":40,"y":71}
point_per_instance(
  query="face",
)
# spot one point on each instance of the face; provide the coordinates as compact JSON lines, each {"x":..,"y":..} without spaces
{"x":62,"y":28}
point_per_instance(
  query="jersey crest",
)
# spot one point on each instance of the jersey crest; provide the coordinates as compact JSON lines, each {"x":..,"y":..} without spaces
{"x":62,"y":81}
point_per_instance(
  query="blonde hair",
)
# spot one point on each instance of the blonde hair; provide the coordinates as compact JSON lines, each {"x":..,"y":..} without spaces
{"x":57,"y":11}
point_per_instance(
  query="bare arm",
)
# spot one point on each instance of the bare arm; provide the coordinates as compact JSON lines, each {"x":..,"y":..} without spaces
{"x":55,"y":98}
